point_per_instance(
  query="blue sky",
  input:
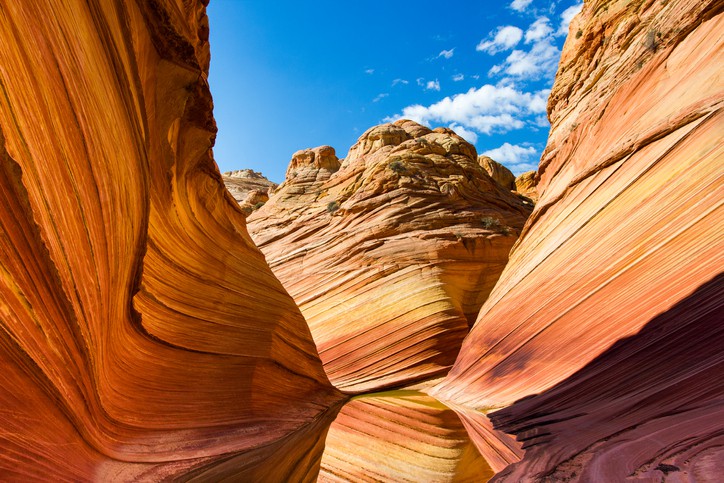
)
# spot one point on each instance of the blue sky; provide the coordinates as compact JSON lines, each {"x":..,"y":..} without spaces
{"x":289,"y":75}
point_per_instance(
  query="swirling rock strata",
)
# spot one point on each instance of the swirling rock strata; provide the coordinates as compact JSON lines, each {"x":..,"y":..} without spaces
{"x":390,"y":252}
{"x":663,"y":417}
{"x":628,"y":225}
{"x":143,"y":334}
{"x":400,"y":436}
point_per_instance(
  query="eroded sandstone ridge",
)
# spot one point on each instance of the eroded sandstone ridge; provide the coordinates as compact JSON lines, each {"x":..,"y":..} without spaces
{"x":142,"y":333}
{"x":390,"y":252}
{"x":610,"y":305}
{"x":525,"y":184}
{"x":498,"y":172}
{"x":249,"y":188}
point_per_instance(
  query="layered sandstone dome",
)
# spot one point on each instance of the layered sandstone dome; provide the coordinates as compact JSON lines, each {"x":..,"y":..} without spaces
{"x":498,"y":172}
{"x":526,"y":185}
{"x":249,"y":188}
{"x":390,"y":252}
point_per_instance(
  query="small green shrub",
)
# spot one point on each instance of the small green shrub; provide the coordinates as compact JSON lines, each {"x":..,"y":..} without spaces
{"x":332,"y":206}
{"x":258,"y":205}
{"x":397,"y":166}
{"x":490,"y":223}
{"x":579,"y":33}
{"x":650,"y":41}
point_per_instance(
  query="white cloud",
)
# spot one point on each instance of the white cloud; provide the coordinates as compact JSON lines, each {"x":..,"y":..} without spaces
{"x":540,"y":61}
{"x":485,"y":110}
{"x":567,"y":16}
{"x":369,"y":71}
{"x":542,"y":121}
{"x":446,"y":53}
{"x":432,"y":85}
{"x":520,"y":5}
{"x":539,"y":30}
{"x":399,"y":81}
{"x":420,"y":81}
{"x":505,"y":38}
{"x":518,"y":158}
{"x":466,"y":134}
{"x":380,"y":97}
{"x":458,"y":77}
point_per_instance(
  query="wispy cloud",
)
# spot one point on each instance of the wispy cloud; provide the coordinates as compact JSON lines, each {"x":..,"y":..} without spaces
{"x":518,"y":158}
{"x":399,"y":81}
{"x":432,"y":85}
{"x":369,"y":71}
{"x":504,"y":38}
{"x":446,"y":53}
{"x":380,"y":97}
{"x":538,"y":61}
{"x":458,"y":77}
{"x":466,"y":134}
{"x":539,"y":30}
{"x":486,"y":110}
{"x":520,"y":5}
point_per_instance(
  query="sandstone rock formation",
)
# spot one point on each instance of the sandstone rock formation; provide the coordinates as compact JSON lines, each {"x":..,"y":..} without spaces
{"x":525,"y":184}
{"x":390,"y":253}
{"x":249,"y":188}
{"x":400,"y":436}
{"x":622,"y":246}
{"x":142,"y":333}
{"x":502,"y":175}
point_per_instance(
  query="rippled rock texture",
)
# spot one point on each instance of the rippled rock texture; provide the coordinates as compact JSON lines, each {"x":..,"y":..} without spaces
{"x":405,"y":436}
{"x":610,"y":306}
{"x":390,"y":252}
{"x":143,"y":334}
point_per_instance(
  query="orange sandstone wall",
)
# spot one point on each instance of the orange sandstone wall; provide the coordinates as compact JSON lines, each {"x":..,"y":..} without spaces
{"x":623,"y":247}
{"x":143,"y":334}
{"x":630,"y":214}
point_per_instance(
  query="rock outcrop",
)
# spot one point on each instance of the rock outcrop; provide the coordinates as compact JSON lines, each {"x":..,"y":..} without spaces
{"x":142,"y":333}
{"x":390,"y":252}
{"x":502,"y":175}
{"x":609,"y":303}
{"x":249,"y":188}
{"x":525,"y":184}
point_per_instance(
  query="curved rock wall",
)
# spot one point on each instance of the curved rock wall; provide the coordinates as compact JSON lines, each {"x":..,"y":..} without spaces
{"x":390,"y":252}
{"x":628,"y":225}
{"x":142,"y":332}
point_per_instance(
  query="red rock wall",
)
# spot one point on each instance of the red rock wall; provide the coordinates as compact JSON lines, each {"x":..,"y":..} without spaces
{"x":627,"y":230}
{"x":142,"y":331}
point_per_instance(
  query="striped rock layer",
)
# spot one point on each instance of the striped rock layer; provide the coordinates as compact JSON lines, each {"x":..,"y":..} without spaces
{"x":142,"y":334}
{"x":610,"y":305}
{"x":401,"y":436}
{"x":389,"y":253}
